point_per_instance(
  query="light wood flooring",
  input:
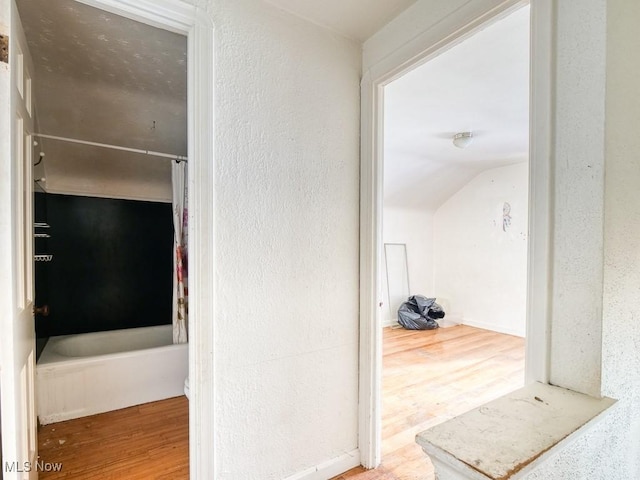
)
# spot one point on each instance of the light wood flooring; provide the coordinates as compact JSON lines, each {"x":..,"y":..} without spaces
{"x":147,"y":442}
{"x":431,"y":376}
{"x":428,"y":377}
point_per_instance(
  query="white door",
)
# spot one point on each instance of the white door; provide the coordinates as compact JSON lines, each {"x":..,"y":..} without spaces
{"x":17,"y":331}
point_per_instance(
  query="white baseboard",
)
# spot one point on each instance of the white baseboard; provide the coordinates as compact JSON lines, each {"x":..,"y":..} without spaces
{"x":390,"y":323}
{"x":330,"y":468}
{"x":494,"y":328}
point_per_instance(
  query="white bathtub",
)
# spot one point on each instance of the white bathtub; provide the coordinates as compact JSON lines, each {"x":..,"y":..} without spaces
{"x":80,"y":375}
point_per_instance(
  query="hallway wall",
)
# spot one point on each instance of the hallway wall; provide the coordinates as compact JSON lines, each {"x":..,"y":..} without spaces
{"x":612,"y":449}
{"x":287,"y":203}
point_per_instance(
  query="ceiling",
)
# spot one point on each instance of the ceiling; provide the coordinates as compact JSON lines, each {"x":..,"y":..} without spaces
{"x":355,"y":19}
{"x":104,"y":78}
{"x":479,"y":85}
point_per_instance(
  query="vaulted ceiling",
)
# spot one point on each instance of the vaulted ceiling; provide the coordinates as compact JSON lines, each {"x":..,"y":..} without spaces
{"x":479,"y":85}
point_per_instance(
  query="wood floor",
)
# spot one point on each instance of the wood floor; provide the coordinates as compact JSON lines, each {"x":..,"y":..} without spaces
{"x":146,"y":442}
{"x":428,"y":377}
{"x":431,"y":376}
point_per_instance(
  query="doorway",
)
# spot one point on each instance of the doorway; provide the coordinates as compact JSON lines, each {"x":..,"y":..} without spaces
{"x":461,"y":208}
{"x":382,"y":67}
{"x":456,"y":164}
{"x":186,"y":20}
{"x":110,"y":224}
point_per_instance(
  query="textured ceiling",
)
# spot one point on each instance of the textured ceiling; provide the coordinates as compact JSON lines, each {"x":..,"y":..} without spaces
{"x":104,"y":78}
{"x":481,"y":84}
{"x":355,"y":19}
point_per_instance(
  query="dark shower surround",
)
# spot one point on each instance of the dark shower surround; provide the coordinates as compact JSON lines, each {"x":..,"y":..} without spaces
{"x":112,"y":264}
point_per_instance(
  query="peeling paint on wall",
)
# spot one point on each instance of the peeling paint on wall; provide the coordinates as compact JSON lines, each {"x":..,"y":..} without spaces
{"x":506,"y":216}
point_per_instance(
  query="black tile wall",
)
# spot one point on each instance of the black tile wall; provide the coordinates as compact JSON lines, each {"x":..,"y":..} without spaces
{"x":112,"y":264}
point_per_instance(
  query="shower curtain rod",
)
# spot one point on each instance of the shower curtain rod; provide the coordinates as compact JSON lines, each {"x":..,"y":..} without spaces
{"x":177,"y":158}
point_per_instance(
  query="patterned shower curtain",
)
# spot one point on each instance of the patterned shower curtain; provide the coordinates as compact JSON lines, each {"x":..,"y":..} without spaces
{"x":180,"y":290}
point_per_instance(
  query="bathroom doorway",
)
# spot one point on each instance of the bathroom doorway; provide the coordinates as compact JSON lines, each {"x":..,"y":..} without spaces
{"x":114,"y":169}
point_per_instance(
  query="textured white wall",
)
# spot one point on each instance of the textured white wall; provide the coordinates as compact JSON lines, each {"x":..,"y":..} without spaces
{"x":612,"y":450}
{"x":621,"y":310}
{"x":287,"y":200}
{"x":415,"y":229}
{"x":578,"y":204}
{"x":481,"y":269}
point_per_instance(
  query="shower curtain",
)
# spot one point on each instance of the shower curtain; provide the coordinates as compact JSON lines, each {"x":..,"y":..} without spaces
{"x":180,"y":291}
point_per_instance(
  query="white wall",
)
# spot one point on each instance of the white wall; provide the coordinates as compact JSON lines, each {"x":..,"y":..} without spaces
{"x":287,"y":200}
{"x":578,"y":182}
{"x":415,"y":229}
{"x":621,"y":330}
{"x":481,"y":269}
{"x":98,"y":172}
{"x":74,"y":169}
{"x":612,"y":450}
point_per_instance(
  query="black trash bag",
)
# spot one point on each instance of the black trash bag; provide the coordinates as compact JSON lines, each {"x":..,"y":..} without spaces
{"x":420,"y":313}
{"x":435,"y":311}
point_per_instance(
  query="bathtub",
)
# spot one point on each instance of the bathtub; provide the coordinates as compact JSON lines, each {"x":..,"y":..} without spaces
{"x":89,"y":373}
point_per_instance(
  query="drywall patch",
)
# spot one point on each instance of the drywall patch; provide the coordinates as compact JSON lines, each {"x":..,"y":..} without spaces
{"x":4,"y":48}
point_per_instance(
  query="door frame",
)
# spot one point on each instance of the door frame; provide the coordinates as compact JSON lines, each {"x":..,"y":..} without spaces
{"x":195,"y":22}
{"x":428,"y":43}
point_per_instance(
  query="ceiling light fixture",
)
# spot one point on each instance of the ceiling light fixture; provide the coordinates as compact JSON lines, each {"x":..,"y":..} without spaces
{"x":463,"y":139}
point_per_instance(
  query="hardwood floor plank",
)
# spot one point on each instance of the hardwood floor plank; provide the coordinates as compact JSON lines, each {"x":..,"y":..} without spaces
{"x":149,"y":441}
{"x":430,"y":377}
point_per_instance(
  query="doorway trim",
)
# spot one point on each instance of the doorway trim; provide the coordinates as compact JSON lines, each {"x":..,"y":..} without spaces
{"x":195,"y":22}
{"x":411,"y":52}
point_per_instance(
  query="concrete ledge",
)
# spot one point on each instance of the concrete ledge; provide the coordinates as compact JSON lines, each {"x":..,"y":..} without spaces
{"x":507,"y":438}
